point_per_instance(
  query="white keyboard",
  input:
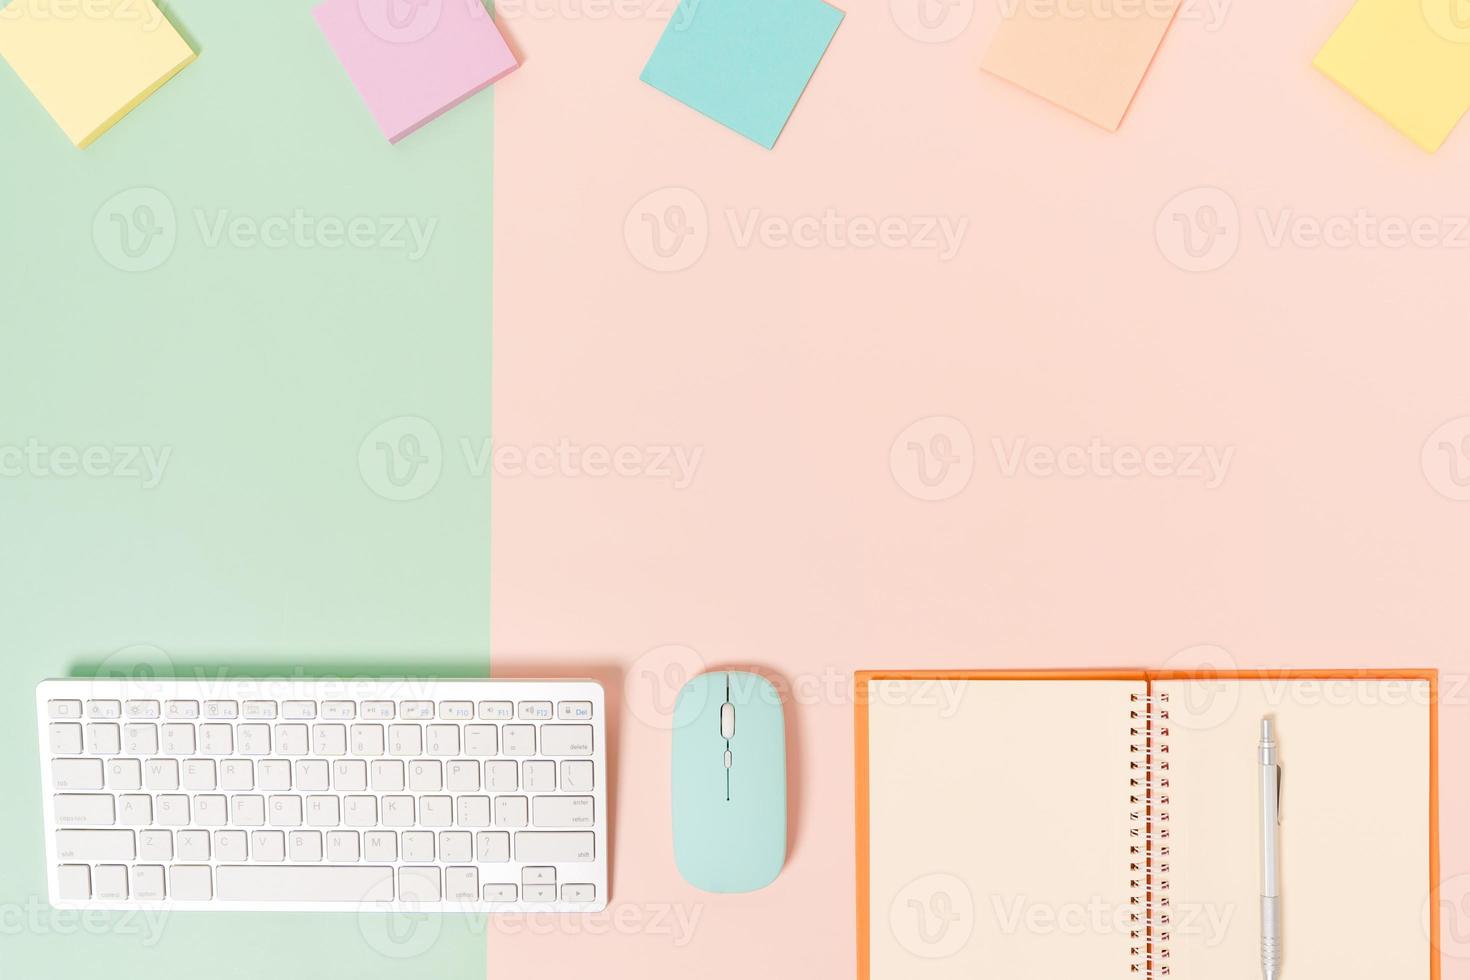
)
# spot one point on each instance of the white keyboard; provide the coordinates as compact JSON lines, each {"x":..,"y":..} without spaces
{"x":301,"y":795}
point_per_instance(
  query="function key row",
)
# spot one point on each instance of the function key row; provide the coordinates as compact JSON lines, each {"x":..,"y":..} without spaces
{"x":302,"y":710}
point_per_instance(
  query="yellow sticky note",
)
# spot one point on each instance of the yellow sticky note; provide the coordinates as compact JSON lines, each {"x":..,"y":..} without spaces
{"x":89,"y":62}
{"x":1407,"y":60}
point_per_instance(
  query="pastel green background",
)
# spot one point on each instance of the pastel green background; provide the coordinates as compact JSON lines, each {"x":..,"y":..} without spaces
{"x":262,"y":370}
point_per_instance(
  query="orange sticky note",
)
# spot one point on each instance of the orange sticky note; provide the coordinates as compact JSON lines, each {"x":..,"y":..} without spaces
{"x":1087,"y":56}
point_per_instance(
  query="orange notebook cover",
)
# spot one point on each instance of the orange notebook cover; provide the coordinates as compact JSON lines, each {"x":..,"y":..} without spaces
{"x":1081,"y":824}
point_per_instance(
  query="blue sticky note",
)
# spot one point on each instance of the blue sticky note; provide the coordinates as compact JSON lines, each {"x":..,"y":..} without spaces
{"x":743,"y":63}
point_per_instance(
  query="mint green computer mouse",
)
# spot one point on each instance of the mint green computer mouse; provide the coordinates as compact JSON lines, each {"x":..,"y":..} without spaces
{"x":729,"y":787}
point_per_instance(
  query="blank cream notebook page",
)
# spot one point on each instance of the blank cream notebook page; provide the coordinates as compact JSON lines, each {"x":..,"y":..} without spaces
{"x":1355,"y":826}
{"x":999,"y":829}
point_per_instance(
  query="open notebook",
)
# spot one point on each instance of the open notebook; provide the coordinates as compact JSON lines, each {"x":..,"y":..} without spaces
{"x":1061,"y":826}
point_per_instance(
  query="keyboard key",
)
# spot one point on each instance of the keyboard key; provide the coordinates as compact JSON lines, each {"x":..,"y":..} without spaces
{"x":462,"y":776}
{"x":64,"y":709}
{"x":273,"y":774}
{"x":216,"y":739}
{"x":140,"y":710}
{"x":194,"y":844}
{"x":74,"y":882}
{"x":500,"y":777}
{"x":578,"y":893}
{"x":313,"y":775}
{"x":123,"y":774}
{"x":538,"y":775}
{"x":461,"y":884}
{"x":498,"y":893}
{"x":322,"y":883}
{"x":268,"y":845}
{"x":95,"y":845}
{"x":76,"y":774}
{"x":534,"y":710}
{"x":574,"y":711}
{"x":172,"y":810}
{"x":329,"y":740}
{"x":436,"y":811}
{"x":472,"y":811}
{"x":103,"y":739}
{"x":161,"y":774}
{"x":510,"y":811}
{"x":104,"y":710}
{"x":343,"y":846}
{"x":247,"y":811}
{"x":284,"y":811}
{"x":362,"y":811}
{"x":259,"y":710}
{"x":456,"y":710}
{"x":443,"y":740}
{"x":418,"y":885}
{"x":387,"y":776}
{"x":398,"y":811}
{"x":562,"y":811}
{"x":418,"y":845}
{"x":197,"y":774}
{"x":304,"y":845}
{"x":576,"y":775}
{"x":479,"y":740}
{"x":380,"y":845}
{"x":554,"y":846}
{"x":148,"y":883}
{"x":230,"y":845}
{"x":405,"y":740}
{"x":181,"y":710}
{"x":518,"y":740}
{"x":538,"y":876}
{"x":236,"y":774}
{"x":378,"y":710}
{"x":84,"y":810}
{"x":189,"y":883}
{"x":339,"y":710}
{"x":298,"y":710}
{"x":140,"y":739}
{"x":211,"y":810}
{"x":416,"y":710}
{"x":221,"y":710}
{"x":425,"y":775}
{"x":178,"y":739}
{"x":496,"y":711}
{"x":566,"y":739}
{"x":155,"y":845}
{"x":349,"y":775}
{"x":291,"y":740}
{"x":253,"y":739}
{"x":456,"y":845}
{"x":110,"y":881}
{"x":539,"y":893}
{"x":492,"y":847}
{"x":366,"y":739}
{"x":323,"y":811}
{"x":135,"y":810}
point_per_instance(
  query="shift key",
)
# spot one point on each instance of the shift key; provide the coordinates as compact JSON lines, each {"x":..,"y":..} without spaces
{"x":552,"y":847}
{"x":96,"y":845}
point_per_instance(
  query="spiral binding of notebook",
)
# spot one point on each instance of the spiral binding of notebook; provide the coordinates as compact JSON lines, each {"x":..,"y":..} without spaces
{"x":1148,"y":849}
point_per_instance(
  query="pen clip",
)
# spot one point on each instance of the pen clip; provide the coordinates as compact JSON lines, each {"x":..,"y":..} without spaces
{"x":1278,"y":793}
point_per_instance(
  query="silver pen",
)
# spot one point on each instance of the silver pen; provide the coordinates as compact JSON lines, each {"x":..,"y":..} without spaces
{"x":1270,"y":853}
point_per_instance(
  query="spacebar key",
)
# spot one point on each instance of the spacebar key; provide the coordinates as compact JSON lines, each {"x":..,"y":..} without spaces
{"x":263,"y":883}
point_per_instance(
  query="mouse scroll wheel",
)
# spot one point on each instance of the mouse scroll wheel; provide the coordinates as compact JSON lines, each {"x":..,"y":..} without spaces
{"x":727,"y":720}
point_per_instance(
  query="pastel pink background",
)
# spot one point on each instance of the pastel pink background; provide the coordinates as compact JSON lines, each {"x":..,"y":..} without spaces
{"x":1062,"y":319}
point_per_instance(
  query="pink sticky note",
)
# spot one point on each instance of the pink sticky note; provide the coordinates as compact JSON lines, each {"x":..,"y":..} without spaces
{"x":413,"y":61}
{"x":1086,"y":57}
